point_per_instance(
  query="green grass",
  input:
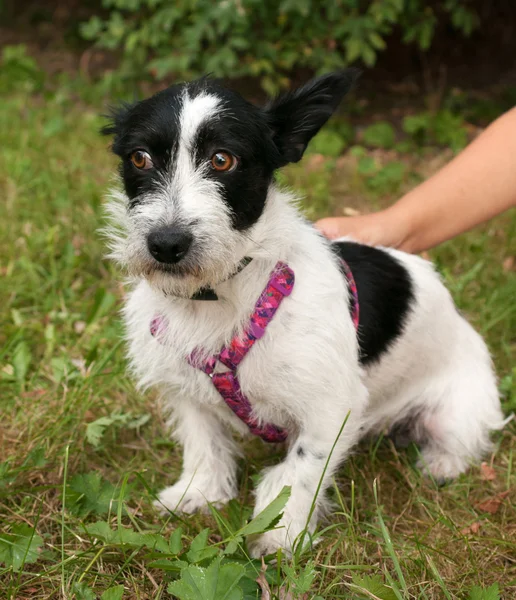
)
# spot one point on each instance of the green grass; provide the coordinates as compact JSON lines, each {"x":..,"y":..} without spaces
{"x":63,"y":367}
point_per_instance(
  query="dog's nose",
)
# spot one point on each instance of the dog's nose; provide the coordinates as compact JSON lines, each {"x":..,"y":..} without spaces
{"x":169,"y":244}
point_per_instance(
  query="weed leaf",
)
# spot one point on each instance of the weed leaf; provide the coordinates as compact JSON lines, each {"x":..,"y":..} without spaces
{"x":154,"y":542}
{"x":101,"y":530}
{"x":328,"y":143}
{"x":7,"y":475}
{"x":19,"y":547}
{"x":165,"y":564}
{"x":83,"y":592}
{"x":114,"y":593}
{"x":199,"y":549}
{"x":232,"y":546}
{"x":490,"y":593}
{"x":88,"y":493}
{"x":174,"y":544}
{"x":35,"y":459}
{"x":21,"y":362}
{"x":300,"y":581}
{"x":374,"y":585}
{"x":96,"y":429}
{"x":124,"y":536}
{"x":269,"y":516}
{"x":217,"y":582}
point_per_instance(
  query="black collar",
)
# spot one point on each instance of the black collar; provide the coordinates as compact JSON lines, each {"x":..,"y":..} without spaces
{"x":208,"y":293}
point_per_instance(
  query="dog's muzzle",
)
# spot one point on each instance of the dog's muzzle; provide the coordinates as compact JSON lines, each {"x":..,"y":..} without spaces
{"x":169,"y":244}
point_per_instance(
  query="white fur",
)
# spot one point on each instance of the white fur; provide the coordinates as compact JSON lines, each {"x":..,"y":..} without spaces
{"x":304,"y":374}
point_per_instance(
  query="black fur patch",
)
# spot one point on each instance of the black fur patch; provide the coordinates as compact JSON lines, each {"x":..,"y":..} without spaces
{"x":385,"y":295}
{"x":241,"y":130}
{"x":150,"y":125}
{"x":296,"y":116}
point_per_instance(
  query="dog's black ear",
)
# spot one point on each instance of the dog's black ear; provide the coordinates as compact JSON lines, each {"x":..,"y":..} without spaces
{"x":116,"y":118}
{"x":116,"y":124}
{"x":295,"y":117}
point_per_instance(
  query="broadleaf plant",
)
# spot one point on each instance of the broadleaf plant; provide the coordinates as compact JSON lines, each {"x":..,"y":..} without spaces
{"x":20,"y":546}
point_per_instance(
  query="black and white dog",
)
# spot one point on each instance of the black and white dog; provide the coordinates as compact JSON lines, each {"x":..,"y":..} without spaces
{"x":200,"y":200}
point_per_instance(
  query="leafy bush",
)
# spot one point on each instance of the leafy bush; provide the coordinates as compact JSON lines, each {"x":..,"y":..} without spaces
{"x":381,"y":179}
{"x":380,"y":135}
{"x":327,"y":142}
{"x":264,"y":38}
{"x":443,"y":128}
{"x":19,"y":71}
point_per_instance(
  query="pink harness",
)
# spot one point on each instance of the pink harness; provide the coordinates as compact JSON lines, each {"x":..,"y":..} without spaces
{"x":280,"y":285}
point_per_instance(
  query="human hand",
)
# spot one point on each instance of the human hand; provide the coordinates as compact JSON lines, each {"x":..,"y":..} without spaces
{"x":376,"y":229}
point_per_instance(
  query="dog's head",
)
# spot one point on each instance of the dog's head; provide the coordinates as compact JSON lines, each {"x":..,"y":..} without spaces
{"x":197,"y":161}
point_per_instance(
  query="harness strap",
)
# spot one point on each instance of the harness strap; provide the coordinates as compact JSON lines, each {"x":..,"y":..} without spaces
{"x":355,"y":307}
{"x":229,"y":388}
{"x":279,"y":286}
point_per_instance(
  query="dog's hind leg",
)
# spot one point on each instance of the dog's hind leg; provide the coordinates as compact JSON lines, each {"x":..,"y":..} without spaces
{"x":209,"y":467}
{"x":461,"y":408}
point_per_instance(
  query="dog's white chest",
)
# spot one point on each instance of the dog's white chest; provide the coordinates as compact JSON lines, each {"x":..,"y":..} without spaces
{"x":286,"y":372}
{"x":162,"y":360}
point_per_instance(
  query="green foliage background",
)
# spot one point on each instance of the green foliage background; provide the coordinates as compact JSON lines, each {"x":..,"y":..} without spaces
{"x":265,"y":38}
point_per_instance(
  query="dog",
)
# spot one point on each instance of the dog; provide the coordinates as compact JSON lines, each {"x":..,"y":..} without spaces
{"x":200,"y":228}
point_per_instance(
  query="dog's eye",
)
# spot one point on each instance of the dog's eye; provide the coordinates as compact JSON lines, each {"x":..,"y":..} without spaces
{"x":141,"y":159}
{"x":223,"y":161}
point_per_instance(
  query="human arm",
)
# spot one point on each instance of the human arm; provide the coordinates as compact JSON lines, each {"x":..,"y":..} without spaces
{"x":475,"y":186}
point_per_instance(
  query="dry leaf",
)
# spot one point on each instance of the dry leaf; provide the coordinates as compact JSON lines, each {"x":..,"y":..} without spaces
{"x":508,"y":263}
{"x":8,"y":370}
{"x":492,"y":505}
{"x":350,"y":212}
{"x":473,"y":528}
{"x":78,"y":242}
{"x":79,"y":326}
{"x":345,"y":161}
{"x":487,"y":473}
{"x":263,"y":583}
{"x":36,"y":393}
{"x":314,"y":162}
{"x":80,"y":365}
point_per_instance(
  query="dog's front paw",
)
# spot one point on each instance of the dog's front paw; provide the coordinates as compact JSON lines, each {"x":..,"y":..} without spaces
{"x":180,"y":500}
{"x":269,"y":543}
{"x":188,"y":499}
{"x":287,"y":536}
